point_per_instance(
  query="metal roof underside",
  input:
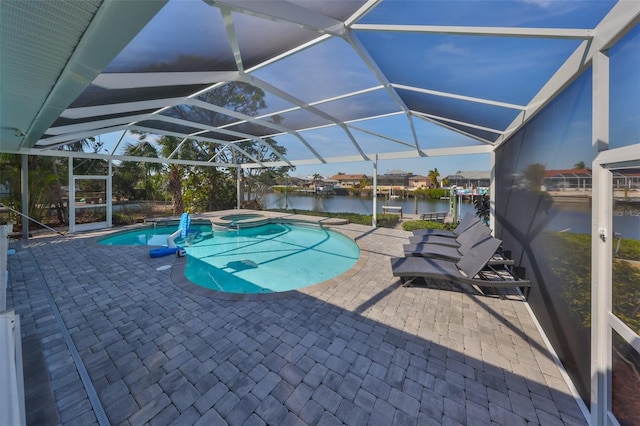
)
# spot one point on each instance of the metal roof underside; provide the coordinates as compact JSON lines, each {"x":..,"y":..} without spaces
{"x":334,"y":81}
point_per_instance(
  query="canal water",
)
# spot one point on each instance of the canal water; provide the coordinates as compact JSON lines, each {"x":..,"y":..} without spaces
{"x":352,"y":204}
{"x":566,"y":217}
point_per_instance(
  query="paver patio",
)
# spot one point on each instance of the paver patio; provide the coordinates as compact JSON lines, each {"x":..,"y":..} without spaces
{"x":357,"y":350}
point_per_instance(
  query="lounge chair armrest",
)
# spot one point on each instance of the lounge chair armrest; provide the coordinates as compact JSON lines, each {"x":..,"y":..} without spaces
{"x":501,"y":261}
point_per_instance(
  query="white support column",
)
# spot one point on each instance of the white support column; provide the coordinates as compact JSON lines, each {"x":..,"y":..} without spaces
{"x":601,"y":277}
{"x":492,"y":192}
{"x":24,"y":183}
{"x":109,"y":194}
{"x":601,"y":237}
{"x":375,"y":192}
{"x":4,"y":247}
{"x":72,"y":198}
{"x":238,"y":189}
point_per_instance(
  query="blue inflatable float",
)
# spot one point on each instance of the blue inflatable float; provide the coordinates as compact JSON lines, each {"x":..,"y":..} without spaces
{"x":163,"y":251}
{"x":183,"y":227}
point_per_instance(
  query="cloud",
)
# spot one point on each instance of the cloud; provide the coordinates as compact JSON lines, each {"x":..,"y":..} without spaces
{"x":450,"y":48}
{"x":543,"y":4}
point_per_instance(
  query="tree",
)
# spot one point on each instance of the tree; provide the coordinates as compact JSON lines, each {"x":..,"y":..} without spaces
{"x":198,"y":188}
{"x":579,"y":166}
{"x":255,"y":181}
{"x":432,"y":177}
{"x":169,"y":146}
{"x":248,"y":100}
{"x":44,"y":185}
{"x":176,"y":172}
{"x":47,"y":178}
{"x":534,"y":175}
{"x":235,"y":96}
{"x":144,"y":149}
{"x":208,"y":189}
{"x":126,"y":176}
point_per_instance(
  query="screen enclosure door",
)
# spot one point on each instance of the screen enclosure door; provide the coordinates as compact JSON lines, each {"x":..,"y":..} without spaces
{"x":616,"y":288}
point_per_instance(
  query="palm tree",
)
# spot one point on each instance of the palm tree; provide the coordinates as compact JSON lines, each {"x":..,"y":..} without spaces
{"x":433,"y":176}
{"x":316,"y":178}
{"x":168,"y":144}
{"x":144,"y":149}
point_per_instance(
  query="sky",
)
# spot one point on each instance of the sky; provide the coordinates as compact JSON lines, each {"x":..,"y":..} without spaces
{"x":497,"y":69}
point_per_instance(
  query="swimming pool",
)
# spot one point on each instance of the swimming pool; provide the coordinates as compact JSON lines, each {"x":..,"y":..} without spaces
{"x":270,"y":258}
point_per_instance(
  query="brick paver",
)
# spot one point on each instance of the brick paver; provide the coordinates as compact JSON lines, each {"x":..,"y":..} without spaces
{"x":357,"y":350}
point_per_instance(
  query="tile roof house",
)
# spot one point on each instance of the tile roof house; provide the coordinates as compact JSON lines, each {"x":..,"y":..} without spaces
{"x":418,"y":181}
{"x":349,"y":180}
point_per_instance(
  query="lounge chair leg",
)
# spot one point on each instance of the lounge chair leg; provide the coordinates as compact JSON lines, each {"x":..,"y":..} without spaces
{"x":407,"y":283}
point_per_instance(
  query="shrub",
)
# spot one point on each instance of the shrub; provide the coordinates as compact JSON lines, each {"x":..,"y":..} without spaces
{"x":482,"y":206}
{"x":629,"y":248}
{"x":426,"y":224}
{"x":386,"y":220}
{"x":432,"y":193}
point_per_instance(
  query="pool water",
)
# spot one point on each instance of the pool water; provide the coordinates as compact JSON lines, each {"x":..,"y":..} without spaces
{"x":154,"y":236}
{"x":265,"y":259}
{"x":270,"y":258}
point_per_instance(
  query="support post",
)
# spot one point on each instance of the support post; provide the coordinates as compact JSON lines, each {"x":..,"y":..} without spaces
{"x":601,"y":236}
{"x":109,"y":195}
{"x":375,"y":192}
{"x":492,"y":192}
{"x":453,"y":202}
{"x":24,"y":183}
{"x":238,"y":189}
{"x":4,"y":247}
{"x":72,"y":198}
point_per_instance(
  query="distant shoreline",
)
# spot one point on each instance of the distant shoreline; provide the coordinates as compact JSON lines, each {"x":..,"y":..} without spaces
{"x":585,"y":197}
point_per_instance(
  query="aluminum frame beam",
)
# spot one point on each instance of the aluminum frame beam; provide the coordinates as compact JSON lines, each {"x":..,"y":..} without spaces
{"x":557,"y":33}
{"x":97,"y":48}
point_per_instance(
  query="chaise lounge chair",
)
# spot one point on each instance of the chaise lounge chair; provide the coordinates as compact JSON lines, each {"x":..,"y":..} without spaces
{"x":472,"y":268}
{"x":467,"y":237}
{"x":437,"y":251}
{"x":425,"y":246}
{"x":467,"y":221}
